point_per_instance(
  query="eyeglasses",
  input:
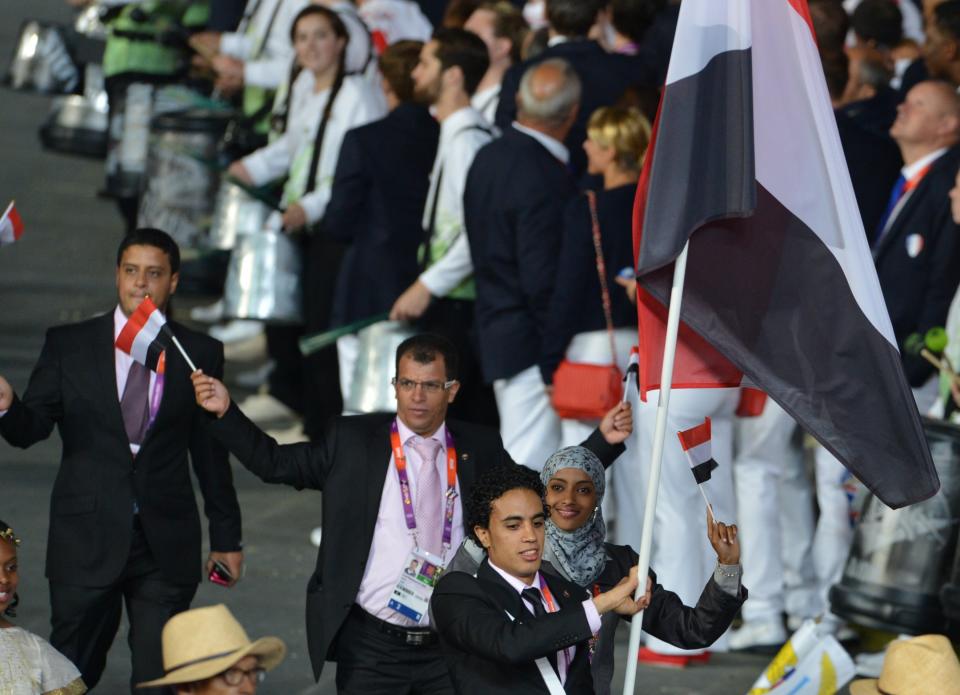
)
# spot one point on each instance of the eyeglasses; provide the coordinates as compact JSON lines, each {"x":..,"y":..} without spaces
{"x":429,"y":387}
{"x":235,"y":676}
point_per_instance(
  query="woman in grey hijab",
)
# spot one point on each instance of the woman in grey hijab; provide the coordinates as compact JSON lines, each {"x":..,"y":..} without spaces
{"x":575,"y":548}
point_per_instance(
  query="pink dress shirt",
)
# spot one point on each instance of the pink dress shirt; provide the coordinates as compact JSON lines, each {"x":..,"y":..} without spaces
{"x":392,"y":541}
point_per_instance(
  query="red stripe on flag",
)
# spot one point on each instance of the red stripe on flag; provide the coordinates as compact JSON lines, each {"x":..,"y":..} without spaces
{"x":17,"y":223}
{"x":804,"y":11}
{"x":138,"y":319}
{"x":695,"y":436}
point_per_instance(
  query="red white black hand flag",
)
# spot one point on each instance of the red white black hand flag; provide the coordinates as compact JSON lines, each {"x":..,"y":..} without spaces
{"x":11,"y":226}
{"x":147,"y":336}
{"x":696,"y":445}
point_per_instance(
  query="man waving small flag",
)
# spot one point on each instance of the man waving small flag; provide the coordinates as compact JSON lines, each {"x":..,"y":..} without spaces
{"x":696,"y":445}
{"x":11,"y":226}
{"x":147,"y":336}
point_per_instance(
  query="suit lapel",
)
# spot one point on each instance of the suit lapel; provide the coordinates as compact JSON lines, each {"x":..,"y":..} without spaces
{"x":466,"y":462}
{"x":896,"y":227}
{"x":175,"y":380}
{"x":502,"y":593}
{"x":377,"y":462}
{"x":104,"y":358}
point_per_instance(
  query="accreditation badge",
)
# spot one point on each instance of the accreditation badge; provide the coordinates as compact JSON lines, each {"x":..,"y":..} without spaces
{"x":411,"y":595}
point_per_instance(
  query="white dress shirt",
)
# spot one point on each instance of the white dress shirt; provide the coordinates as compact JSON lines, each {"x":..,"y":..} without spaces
{"x":266,"y":56}
{"x":392,"y":540}
{"x":358,"y":103}
{"x":564,"y":656}
{"x":462,"y":134}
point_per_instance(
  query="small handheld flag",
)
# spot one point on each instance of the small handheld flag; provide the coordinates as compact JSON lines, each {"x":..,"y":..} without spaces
{"x":633,"y":370}
{"x":11,"y":226}
{"x":147,"y":336}
{"x":696,"y":445}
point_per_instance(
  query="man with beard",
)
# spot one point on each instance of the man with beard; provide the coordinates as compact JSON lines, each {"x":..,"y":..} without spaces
{"x":451,"y":66}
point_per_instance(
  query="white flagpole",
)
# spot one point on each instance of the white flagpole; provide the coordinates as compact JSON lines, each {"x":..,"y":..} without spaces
{"x":656,"y":459}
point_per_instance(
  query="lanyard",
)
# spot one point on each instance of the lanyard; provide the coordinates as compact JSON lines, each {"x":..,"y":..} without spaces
{"x":552,"y":608}
{"x":915,"y":180}
{"x":401,"y":462}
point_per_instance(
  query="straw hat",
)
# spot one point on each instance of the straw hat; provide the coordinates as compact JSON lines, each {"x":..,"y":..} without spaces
{"x":204,"y":642}
{"x":924,"y":665}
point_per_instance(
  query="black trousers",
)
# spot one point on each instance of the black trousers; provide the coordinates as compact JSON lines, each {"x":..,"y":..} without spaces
{"x":85,"y":619}
{"x":370,"y":662}
{"x":453,"y":319}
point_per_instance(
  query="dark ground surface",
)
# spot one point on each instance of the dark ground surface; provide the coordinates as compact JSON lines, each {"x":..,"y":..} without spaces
{"x":62,"y":270}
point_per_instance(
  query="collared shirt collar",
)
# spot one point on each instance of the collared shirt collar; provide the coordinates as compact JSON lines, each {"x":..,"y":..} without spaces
{"x":911,"y":170}
{"x":557,"y":40}
{"x":406,"y":434}
{"x":514,"y":582}
{"x":553,"y":146}
{"x":119,"y":321}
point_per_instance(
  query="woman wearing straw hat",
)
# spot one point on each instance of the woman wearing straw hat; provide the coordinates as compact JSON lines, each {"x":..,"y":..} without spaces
{"x":207,"y":652}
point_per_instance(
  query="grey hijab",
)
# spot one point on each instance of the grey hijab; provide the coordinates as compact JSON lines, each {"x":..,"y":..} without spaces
{"x":579,"y":555}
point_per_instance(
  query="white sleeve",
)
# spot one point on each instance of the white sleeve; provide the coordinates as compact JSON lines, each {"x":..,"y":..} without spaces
{"x":268,"y":73}
{"x":235,"y":45}
{"x":447,"y":273}
{"x":271,"y":162}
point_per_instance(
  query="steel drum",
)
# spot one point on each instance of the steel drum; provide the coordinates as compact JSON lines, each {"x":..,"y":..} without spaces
{"x":900,"y":559}
{"x":41,"y":61}
{"x":263,"y":278}
{"x":181,"y":181}
{"x":236,"y":213}
{"x":371,"y":391}
{"x":78,"y":124}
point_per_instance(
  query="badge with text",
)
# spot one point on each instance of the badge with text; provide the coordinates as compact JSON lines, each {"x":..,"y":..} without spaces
{"x":411,"y":595}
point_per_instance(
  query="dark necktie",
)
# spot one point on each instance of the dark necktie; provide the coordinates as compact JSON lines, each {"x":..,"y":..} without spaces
{"x":135,"y":403}
{"x":535,"y":601}
{"x":895,"y":194}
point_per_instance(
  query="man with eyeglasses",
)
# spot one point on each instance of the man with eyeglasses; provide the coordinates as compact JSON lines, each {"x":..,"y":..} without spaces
{"x":393,"y":485}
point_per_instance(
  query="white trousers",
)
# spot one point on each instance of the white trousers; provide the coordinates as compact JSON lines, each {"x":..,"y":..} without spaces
{"x":831,"y":543}
{"x":774,"y":517}
{"x":529,"y":425}
{"x":594,"y":348}
{"x":348,"y":351}
{"x":682,"y":555}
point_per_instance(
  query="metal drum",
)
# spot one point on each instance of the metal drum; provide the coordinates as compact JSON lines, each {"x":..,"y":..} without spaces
{"x":78,"y":124}
{"x":371,"y":391}
{"x":900,"y":559}
{"x":41,"y":61}
{"x":181,"y":181}
{"x":236,"y":213}
{"x":263,"y":279}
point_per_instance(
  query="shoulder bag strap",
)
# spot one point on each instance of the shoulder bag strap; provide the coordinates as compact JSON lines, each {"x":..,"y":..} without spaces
{"x":550,"y":677}
{"x":602,"y":273}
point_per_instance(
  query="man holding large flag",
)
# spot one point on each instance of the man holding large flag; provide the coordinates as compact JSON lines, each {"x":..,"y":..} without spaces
{"x":124,"y":525}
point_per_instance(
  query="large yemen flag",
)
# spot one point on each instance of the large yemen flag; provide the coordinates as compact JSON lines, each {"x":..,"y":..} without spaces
{"x":780,"y":282}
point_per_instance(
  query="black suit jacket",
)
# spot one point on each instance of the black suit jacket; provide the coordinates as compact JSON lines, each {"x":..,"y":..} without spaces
{"x":604,"y":78}
{"x":349,"y":464}
{"x":379,"y":191}
{"x":74,"y":387}
{"x":918,"y":290}
{"x":513,"y":207}
{"x":490,"y":654}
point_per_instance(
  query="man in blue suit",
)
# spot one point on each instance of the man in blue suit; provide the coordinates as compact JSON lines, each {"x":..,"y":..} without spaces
{"x":515,"y":196}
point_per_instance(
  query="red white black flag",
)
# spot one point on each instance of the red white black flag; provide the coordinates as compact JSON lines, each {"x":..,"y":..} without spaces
{"x":696,"y":445}
{"x":146,"y":336}
{"x":780,"y":286}
{"x":11,"y":226}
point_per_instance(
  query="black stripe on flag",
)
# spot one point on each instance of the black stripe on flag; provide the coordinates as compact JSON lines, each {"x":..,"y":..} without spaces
{"x":701,"y":472}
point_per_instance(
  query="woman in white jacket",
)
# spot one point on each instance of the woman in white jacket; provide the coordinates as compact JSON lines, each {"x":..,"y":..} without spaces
{"x":325,"y":103}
